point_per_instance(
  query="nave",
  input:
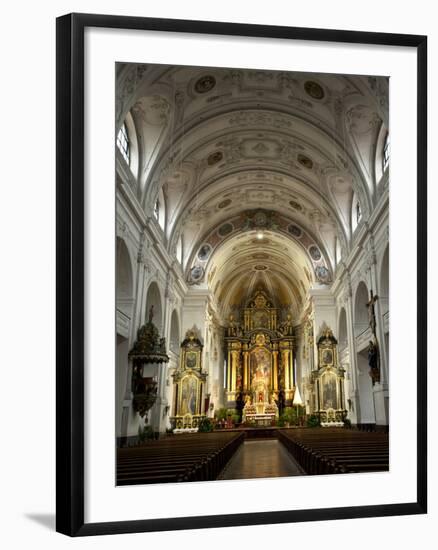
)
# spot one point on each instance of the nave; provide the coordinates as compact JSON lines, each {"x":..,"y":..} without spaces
{"x":260,"y":459}
{"x":252,"y":273}
{"x":237,"y":454}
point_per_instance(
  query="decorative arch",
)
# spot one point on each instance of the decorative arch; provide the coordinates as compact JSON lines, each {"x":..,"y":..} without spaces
{"x":152,"y":114}
{"x":171,"y":97}
{"x":258,"y":220}
{"x":362,"y":124}
{"x":135,"y":81}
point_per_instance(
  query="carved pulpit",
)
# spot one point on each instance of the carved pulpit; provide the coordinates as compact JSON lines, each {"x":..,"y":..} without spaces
{"x":147,"y":355}
{"x":189,"y":382}
{"x":329,"y":382}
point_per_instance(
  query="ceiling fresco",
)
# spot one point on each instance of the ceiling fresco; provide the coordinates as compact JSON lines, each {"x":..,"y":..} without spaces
{"x":258,"y":170}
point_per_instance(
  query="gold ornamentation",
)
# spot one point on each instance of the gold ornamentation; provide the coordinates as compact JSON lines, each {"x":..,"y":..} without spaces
{"x":260,"y":339}
{"x":260,"y":301}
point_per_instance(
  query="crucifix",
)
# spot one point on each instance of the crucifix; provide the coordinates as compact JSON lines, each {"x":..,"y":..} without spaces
{"x":371,"y":312}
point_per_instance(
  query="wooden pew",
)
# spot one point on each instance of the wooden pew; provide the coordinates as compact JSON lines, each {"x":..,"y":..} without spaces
{"x":191,"y":457}
{"x":335,"y":450}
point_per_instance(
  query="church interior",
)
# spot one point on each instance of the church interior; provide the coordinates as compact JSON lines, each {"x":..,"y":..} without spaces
{"x":252,"y":273}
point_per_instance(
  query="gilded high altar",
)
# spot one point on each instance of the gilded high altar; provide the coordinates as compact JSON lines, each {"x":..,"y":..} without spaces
{"x":259,"y":357}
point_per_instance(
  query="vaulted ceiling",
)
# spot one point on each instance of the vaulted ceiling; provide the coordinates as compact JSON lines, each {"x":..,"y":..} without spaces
{"x":257,"y":170}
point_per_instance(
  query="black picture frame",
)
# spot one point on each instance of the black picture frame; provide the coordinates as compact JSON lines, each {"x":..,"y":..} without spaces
{"x":70,"y":273}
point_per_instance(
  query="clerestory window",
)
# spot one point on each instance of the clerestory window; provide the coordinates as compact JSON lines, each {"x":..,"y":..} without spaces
{"x":123,"y":143}
{"x":385,"y":158}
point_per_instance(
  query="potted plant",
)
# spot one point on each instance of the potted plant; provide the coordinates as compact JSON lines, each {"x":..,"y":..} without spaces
{"x":347,"y":423}
{"x":289,"y":416}
{"x":313,"y":421}
{"x":145,"y":433}
{"x":205,"y":425}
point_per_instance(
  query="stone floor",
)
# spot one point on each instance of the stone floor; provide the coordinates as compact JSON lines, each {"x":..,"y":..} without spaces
{"x":265,"y":458}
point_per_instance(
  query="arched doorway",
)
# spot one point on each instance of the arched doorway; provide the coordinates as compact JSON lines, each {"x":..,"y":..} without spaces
{"x":124,"y":305}
{"x":364,"y":382}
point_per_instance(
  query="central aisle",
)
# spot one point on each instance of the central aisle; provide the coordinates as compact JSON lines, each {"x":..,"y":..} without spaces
{"x":265,"y":458}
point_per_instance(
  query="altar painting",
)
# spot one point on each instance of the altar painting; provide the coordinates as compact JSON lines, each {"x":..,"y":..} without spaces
{"x":329,"y":391}
{"x":261,"y":318}
{"x":189,"y":388}
{"x":260,"y":363}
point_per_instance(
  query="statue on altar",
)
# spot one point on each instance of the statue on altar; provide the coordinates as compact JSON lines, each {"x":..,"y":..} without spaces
{"x":271,"y":407}
{"x":232,"y":326}
{"x":287,"y":327}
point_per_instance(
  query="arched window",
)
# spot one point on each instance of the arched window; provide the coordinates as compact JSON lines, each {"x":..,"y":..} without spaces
{"x":338,"y":250}
{"x":179,"y":250}
{"x":157,"y":210}
{"x":385,"y":156}
{"x":123,"y":143}
{"x":356,"y":212}
{"x":382,"y":153}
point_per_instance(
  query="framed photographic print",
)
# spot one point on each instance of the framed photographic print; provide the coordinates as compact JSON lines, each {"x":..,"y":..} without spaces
{"x":241,"y":274}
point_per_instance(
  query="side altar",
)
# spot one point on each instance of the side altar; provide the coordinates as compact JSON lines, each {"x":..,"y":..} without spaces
{"x":189,"y":386}
{"x":328,"y":380}
{"x":259,"y":361}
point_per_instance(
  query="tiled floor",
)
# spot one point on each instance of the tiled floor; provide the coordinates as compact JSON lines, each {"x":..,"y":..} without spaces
{"x":265,"y":458}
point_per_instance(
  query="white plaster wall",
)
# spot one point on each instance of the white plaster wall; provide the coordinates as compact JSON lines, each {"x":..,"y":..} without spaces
{"x":364,"y":264}
{"x":153,"y":264}
{"x":156,"y":265}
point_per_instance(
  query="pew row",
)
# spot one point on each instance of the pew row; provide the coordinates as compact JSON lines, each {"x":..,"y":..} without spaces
{"x":336,"y":450}
{"x":191,"y":457}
